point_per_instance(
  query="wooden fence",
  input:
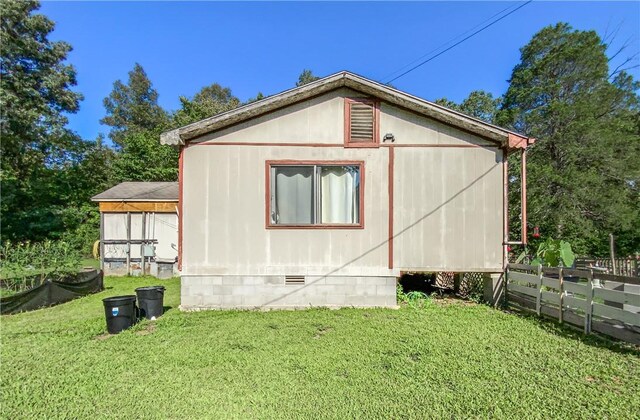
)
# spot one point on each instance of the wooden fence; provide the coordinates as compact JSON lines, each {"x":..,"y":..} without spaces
{"x":623,"y":266}
{"x":592,"y":300}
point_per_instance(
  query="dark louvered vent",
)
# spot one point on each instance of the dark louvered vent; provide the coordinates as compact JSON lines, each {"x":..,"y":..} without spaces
{"x":362,"y":122}
{"x":293,"y":280}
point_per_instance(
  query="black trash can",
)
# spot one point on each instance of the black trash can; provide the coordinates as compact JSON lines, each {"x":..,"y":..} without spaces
{"x":120,"y":312}
{"x":150,"y":300}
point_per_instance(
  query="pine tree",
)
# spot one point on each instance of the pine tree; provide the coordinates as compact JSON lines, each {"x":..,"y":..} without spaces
{"x":133,"y":107}
{"x":584,"y":170}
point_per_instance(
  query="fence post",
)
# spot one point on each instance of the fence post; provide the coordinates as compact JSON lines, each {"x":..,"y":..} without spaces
{"x":539,"y":297}
{"x":561,"y":280}
{"x":588,"y":310}
{"x":506,"y":288}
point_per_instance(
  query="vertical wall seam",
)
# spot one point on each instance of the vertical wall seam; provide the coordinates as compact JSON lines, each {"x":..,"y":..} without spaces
{"x":390,"y":182}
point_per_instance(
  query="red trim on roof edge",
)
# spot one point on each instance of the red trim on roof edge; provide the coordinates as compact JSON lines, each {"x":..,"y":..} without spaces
{"x":520,"y":142}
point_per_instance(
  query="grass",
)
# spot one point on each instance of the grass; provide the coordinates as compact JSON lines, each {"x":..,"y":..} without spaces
{"x":90,"y":263}
{"x":449,"y":360}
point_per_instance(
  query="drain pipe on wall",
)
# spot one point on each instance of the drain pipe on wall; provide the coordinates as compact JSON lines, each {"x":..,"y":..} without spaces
{"x":523,"y":198}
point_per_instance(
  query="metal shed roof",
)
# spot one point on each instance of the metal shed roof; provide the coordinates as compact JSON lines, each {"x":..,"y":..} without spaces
{"x":140,"y":191}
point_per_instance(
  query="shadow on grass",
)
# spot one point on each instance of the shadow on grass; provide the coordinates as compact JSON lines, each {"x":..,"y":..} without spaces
{"x":575,"y":333}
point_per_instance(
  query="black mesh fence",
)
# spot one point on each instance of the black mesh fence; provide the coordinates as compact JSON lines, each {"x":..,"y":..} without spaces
{"x":53,"y":292}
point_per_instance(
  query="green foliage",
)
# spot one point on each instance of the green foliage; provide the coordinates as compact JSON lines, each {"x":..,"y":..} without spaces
{"x":479,"y":104}
{"x":371,"y":363}
{"x":583,"y":171}
{"x":414,"y":298}
{"x":143,"y":158}
{"x":305,"y":77}
{"x":209,"y":101}
{"x":21,"y":263}
{"x":38,"y":154}
{"x":133,"y":107}
{"x":554,"y":253}
{"x":258,"y":97}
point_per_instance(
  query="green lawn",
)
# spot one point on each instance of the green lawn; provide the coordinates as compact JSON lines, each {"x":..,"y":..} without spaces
{"x":443,"y":360}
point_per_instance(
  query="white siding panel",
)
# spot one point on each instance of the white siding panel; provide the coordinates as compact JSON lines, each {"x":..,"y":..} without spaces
{"x":411,"y":128}
{"x":448,"y":209}
{"x":224,"y":229}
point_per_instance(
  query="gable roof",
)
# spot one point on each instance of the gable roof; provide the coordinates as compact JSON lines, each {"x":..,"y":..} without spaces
{"x":504,"y":137}
{"x":140,"y":191}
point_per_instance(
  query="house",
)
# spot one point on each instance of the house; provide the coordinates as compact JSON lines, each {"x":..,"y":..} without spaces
{"x":139,"y":228}
{"x":324,"y":194}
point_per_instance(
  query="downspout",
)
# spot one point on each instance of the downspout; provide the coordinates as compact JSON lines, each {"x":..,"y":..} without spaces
{"x":180,"y":204}
{"x":523,"y":197}
{"x":518,"y":142}
{"x":505,"y":208}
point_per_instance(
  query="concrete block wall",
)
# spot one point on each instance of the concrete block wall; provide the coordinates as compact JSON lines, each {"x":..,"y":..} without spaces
{"x":271,"y":292}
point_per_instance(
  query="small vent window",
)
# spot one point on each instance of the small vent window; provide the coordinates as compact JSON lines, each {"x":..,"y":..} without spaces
{"x":361,"y":125}
{"x":293,"y":280}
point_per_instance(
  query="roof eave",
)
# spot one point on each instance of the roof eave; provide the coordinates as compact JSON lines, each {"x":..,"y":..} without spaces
{"x":134,"y":200}
{"x":503,"y":137}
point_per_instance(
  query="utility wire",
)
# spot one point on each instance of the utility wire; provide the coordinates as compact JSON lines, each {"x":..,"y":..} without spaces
{"x":449,"y":42}
{"x":459,"y":42}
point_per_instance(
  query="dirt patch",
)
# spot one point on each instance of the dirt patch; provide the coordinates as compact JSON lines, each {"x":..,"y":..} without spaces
{"x":103,"y":337}
{"x":149,"y":329}
{"x":322,"y":330}
{"x":448,"y":301}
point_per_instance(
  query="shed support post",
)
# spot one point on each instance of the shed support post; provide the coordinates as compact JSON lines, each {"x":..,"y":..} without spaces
{"x":457,"y":280}
{"x":128,"y":243}
{"x":142,"y":244}
{"x":493,"y":288}
{"x":102,"y":241}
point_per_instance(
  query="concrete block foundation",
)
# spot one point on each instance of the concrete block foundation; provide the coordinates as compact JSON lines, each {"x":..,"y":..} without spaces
{"x":493,"y":288}
{"x":272,"y":292}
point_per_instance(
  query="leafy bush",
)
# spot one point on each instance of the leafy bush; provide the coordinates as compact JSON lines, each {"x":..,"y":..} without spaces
{"x":83,"y":228}
{"x":413,"y":298}
{"x":554,"y":253}
{"x":23,"y":265}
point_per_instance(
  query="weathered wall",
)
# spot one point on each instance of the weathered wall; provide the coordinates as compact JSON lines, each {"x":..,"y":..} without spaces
{"x":447,"y":200}
{"x":448,"y":209}
{"x":224,"y":217}
{"x":318,"y":120}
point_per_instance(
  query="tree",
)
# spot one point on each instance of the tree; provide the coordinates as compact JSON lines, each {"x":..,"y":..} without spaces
{"x":306,"y":77}
{"x":209,"y":101}
{"x":143,"y":158}
{"x":133,"y":107}
{"x":258,"y":97}
{"x":35,"y":93}
{"x":479,"y":104}
{"x":583,"y":171}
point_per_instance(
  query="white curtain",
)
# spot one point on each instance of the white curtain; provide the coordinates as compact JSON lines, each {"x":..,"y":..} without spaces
{"x":292,"y":195}
{"x":339,"y":194}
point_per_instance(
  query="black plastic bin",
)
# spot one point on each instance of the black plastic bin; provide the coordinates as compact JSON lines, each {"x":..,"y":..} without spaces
{"x":120,"y":312}
{"x":150,"y":300}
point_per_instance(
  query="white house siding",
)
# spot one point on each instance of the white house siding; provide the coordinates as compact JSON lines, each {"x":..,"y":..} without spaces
{"x":447,"y":210}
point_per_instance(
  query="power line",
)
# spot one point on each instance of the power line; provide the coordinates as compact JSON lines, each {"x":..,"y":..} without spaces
{"x":460,"y":42}
{"x":449,"y":41}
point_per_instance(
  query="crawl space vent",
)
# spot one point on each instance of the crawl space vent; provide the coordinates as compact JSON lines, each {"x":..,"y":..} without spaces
{"x":293,"y":280}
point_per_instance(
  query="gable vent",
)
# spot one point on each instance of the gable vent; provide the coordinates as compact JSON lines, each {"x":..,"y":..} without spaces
{"x":293,"y":280}
{"x":361,"y":122}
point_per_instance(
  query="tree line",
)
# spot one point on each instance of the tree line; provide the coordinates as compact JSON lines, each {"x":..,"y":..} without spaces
{"x":584,"y":170}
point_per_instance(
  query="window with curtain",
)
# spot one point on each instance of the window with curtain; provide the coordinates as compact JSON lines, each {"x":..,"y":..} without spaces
{"x":315,"y":194}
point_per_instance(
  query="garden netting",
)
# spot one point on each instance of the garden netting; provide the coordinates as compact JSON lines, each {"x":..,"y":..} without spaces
{"x":53,"y":292}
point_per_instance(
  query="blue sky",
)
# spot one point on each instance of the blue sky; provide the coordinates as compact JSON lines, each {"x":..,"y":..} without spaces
{"x":264,"y":46}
